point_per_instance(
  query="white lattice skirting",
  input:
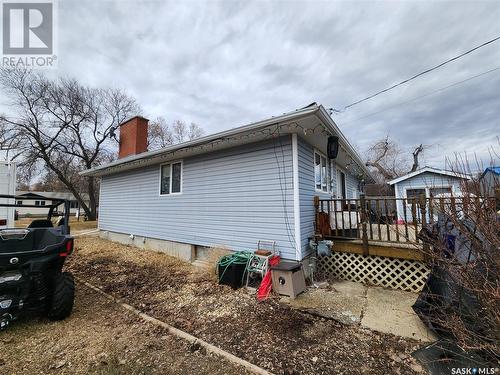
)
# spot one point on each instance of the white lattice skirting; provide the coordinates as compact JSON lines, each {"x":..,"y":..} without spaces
{"x":403,"y":274}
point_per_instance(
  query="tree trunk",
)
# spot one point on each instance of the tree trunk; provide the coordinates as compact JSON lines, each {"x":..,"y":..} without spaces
{"x":90,"y":215}
{"x":416,"y":152}
{"x":92,"y":199}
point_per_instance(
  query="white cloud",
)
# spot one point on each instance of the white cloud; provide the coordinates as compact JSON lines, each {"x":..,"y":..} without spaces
{"x":222,"y":64}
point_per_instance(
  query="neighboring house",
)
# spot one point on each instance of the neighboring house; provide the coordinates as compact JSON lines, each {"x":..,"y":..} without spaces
{"x":38,"y":198}
{"x":490,"y":182}
{"x":230,"y":189}
{"x":431,"y":182}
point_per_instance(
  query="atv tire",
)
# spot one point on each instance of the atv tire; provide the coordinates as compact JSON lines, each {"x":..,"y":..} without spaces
{"x":63,"y":296}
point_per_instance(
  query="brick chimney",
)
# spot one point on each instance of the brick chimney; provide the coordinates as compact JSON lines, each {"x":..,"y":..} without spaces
{"x":133,"y":136}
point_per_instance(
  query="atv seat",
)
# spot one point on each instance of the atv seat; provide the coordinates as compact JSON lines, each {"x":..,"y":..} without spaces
{"x":41,"y":223}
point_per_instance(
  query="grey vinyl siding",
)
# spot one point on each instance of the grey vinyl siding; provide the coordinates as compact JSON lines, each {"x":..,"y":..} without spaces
{"x":352,"y":186}
{"x":307,"y":191}
{"x":230,"y":198}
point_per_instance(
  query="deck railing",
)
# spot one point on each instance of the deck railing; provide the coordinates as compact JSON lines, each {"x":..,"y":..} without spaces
{"x":387,"y":219}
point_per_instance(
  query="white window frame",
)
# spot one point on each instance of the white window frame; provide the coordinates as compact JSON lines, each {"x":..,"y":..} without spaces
{"x":327,"y":169}
{"x":170,"y":187}
{"x":441,"y":187}
{"x":417,"y":187}
{"x":339,"y":182}
{"x":333,"y":171}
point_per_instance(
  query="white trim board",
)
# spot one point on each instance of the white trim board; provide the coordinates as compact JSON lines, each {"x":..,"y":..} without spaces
{"x":296,"y":197}
{"x":429,"y":170}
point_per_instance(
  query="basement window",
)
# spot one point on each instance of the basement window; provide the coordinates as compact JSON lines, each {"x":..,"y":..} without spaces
{"x":171,"y":178}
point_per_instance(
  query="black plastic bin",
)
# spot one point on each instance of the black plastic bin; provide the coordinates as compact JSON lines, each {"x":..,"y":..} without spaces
{"x":232,"y":275}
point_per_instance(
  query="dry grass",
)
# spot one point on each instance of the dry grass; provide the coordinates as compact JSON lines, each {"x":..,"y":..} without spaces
{"x":73,"y":222}
{"x":93,"y":246}
{"x":215,"y":254}
{"x":100,"y":337}
{"x":267,"y":333}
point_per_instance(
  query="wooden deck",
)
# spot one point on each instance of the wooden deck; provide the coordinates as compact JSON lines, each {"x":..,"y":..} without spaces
{"x":387,"y":249}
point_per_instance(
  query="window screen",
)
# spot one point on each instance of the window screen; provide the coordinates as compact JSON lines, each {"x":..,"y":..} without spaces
{"x":165,"y":179}
{"x":176,"y":177}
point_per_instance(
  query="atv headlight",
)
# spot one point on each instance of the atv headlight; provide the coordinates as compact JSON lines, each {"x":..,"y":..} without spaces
{"x":5,"y":304}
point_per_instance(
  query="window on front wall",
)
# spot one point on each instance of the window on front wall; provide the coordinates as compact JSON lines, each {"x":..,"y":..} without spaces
{"x":414,"y":193}
{"x":321,"y":172}
{"x":440,"y":191}
{"x":171,"y":178}
{"x":342,"y":185}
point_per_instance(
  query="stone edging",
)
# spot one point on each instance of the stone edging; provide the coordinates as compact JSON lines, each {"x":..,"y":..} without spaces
{"x":179,"y":333}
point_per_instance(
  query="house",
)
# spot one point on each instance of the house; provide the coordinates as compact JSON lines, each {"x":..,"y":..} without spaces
{"x":431,"y":182}
{"x":490,"y":182}
{"x":230,"y":189}
{"x":39,"y":198}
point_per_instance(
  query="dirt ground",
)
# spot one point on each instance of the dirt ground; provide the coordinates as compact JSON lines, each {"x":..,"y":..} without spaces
{"x":101,"y":337}
{"x":268,"y":334}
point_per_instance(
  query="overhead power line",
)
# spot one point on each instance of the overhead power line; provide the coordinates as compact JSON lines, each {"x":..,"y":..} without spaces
{"x":417,"y":75}
{"x":425,"y":95}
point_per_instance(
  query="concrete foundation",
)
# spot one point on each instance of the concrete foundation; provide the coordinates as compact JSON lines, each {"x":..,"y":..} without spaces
{"x":176,"y":249}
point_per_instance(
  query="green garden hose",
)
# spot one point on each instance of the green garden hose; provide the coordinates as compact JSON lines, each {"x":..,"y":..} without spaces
{"x":238,"y":258}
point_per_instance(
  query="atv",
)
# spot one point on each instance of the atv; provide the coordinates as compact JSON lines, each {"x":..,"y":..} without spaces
{"x":31,"y":264}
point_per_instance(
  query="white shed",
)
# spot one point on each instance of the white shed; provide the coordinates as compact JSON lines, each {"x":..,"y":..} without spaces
{"x":430,"y":181}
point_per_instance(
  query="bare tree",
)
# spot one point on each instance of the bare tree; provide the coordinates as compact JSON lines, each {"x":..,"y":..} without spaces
{"x":194,"y":131}
{"x":415,"y":154}
{"x":161,"y":134}
{"x":65,"y":125}
{"x":389,"y":160}
{"x":463,"y":247}
{"x":9,"y":140}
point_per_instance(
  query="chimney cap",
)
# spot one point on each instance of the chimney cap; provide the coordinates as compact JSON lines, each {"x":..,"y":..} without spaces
{"x":132,"y":118}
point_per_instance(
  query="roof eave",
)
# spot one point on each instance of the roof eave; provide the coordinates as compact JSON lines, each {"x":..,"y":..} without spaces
{"x":101,"y":170}
{"x":431,"y":170}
